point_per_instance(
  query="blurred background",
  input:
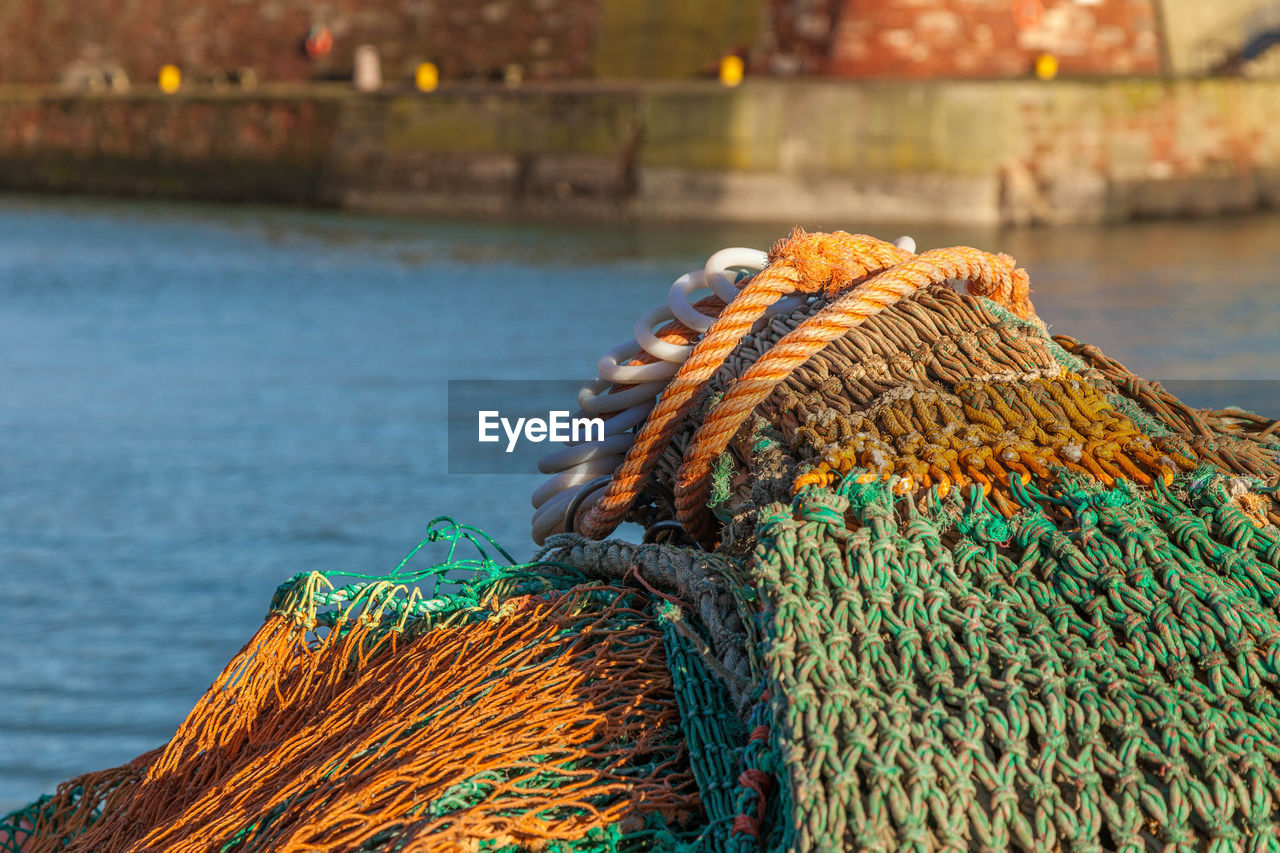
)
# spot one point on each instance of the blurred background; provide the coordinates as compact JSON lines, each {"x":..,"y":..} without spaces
{"x":958,"y":111}
{"x":245,"y":245}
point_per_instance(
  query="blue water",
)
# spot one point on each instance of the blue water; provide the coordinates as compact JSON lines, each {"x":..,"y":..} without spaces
{"x":196,"y":403}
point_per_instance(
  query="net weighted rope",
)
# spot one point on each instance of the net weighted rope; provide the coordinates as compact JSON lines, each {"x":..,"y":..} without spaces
{"x":621,"y":405}
{"x":651,"y":358}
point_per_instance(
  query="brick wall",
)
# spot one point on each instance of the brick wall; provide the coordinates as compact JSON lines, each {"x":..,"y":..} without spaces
{"x":466,"y":38}
{"x":558,"y":39}
{"x":963,"y":38}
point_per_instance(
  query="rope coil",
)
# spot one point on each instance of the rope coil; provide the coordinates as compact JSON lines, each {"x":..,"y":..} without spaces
{"x":632,"y":375}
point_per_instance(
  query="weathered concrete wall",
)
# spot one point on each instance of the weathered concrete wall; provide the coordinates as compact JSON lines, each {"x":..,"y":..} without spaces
{"x":995,"y":151}
{"x":1015,"y":152}
{"x":260,"y":148}
{"x":1142,"y":148}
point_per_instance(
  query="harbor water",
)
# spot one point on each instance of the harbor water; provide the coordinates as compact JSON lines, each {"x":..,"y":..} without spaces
{"x":199,"y":402}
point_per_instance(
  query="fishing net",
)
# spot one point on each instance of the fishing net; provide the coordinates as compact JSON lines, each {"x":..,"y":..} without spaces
{"x":532,"y":708}
{"x":948,"y":582}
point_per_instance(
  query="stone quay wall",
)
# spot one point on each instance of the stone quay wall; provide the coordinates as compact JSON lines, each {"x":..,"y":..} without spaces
{"x":996,"y":151}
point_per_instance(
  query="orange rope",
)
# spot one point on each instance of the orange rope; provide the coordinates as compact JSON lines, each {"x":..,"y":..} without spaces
{"x":808,"y":263}
{"x":993,"y":276}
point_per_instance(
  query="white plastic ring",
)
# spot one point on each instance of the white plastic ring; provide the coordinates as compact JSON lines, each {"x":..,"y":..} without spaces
{"x":594,"y":401}
{"x":718,"y":269}
{"x":622,"y":421}
{"x":612,"y":366}
{"x":549,"y":518}
{"x":654,"y":345}
{"x":785,"y":305}
{"x":559,"y":460}
{"x":575,"y":476}
{"x":682,"y":308}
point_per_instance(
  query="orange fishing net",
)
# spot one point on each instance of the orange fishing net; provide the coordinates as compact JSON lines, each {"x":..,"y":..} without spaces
{"x":552,"y":717}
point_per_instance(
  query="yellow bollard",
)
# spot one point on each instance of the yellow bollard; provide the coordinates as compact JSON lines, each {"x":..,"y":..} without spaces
{"x":170,"y":79}
{"x":731,"y":70}
{"x":1046,"y":66}
{"x":427,"y":77}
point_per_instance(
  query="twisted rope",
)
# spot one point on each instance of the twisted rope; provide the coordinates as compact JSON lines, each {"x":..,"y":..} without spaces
{"x":808,"y":263}
{"x":712,"y":586}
